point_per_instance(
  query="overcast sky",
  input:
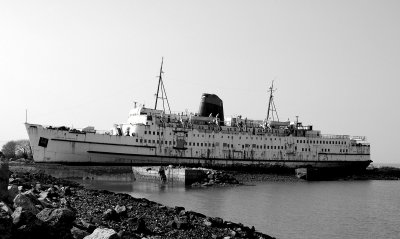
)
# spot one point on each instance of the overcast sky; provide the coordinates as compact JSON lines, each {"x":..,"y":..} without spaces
{"x":336,"y":64}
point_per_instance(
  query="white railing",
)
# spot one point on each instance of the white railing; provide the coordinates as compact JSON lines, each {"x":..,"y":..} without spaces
{"x":334,"y":136}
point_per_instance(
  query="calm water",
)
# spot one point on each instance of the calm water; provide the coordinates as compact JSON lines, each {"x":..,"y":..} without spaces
{"x":329,"y":209}
{"x":366,"y":209}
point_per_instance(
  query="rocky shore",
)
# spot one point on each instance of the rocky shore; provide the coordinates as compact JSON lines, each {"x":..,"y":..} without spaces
{"x":36,"y":205}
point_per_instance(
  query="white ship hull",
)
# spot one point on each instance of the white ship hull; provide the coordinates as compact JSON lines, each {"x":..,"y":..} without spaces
{"x":62,"y":146}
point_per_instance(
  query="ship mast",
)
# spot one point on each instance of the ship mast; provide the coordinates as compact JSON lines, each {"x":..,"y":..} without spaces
{"x":271,"y":105}
{"x":162,"y":88}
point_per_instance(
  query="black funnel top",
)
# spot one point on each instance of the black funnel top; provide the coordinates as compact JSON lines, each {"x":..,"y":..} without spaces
{"x":211,"y":104}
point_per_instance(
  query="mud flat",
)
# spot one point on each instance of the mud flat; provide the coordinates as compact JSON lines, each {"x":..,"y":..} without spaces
{"x":36,"y":205}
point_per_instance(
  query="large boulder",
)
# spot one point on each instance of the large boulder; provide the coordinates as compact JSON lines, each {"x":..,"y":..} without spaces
{"x":103,"y":233}
{"x":58,"y":221}
{"x":5,"y":223}
{"x":22,"y":216}
{"x":57,"y":217}
{"x":4,"y":180}
{"x":26,"y":202}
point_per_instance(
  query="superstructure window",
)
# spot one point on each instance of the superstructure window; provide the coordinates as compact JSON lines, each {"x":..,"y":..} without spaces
{"x":145,"y":132}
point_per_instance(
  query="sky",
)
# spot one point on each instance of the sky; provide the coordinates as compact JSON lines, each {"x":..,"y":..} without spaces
{"x":335,"y":64}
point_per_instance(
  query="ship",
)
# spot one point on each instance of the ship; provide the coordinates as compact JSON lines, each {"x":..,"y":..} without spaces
{"x":153,"y":136}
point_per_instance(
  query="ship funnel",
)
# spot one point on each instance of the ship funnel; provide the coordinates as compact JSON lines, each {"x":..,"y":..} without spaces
{"x":211,"y":104}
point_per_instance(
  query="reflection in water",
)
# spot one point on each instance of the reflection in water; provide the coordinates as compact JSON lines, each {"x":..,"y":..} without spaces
{"x":88,"y":173}
{"x":336,"y":209}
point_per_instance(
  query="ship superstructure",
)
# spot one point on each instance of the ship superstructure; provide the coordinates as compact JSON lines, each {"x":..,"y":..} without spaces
{"x":154,"y":136}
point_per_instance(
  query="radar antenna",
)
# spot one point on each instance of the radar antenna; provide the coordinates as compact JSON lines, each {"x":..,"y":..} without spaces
{"x":162,"y":88}
{"x":271,"y":105}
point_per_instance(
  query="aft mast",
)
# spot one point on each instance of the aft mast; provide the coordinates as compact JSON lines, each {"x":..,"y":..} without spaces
{"x":162,"y":88}
{"x":271,"y":105}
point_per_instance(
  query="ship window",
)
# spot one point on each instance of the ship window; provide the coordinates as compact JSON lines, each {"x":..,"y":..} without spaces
{"x":158,"y":141}
{"x":136,"y":140}
{"x":222,"y":136}
{"x":145,"y":141}
{"x":154,"y":141}
{"x":202,"y":135}
{"x":242,"y":146}
{"x":145,"y":132}
{"x":198,"y":135}
{"x":240,"y":137}
{"x":231,"y":145}
{"x":141,"y":140}
{"x":264,"y":146}
{"x":201,"y":144}
{"x":274,"y":147}
{"x":154,"y":133}
{"x":302,"y":149}
{"x":162,"y":133}
{"x":213,"y":145}
{"x":166,"y":142}
{"x":197,"y":144}
{"x":295,"y":148}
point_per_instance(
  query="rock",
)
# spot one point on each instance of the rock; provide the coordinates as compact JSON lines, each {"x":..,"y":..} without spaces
{"x":43,"y":195}
{"x":32,"y":229}
{"x":27,"y":225}
{"x":103,"y":233}
{"x":5,"y":224}
{"x":171,"y":224}
{"x":52,"y":192}
{"x":12,"y":192}
{"x":121,"y":210}
{"x":26,"y":202}
{"x":6,"y":208}
{"x":179,"y":209}
{"x":217,"y":221}
{"x":87,"y":226}
{"x":78,"y":233}
{"x":141,"y":226}
{"x":111,"y":215}
{"x":181,"y":222}
{"x":126,"y":235}
{"x":58,"y":221}
{"x":4,"y":180}
{"x":207,"y":223}
{"x":66,"y":191}
{"x":22,"y":216}
{"x":182,"y":213}
{"x":38,"y":187}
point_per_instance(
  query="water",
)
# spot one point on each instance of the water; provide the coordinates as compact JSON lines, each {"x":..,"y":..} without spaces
{"x":328,"y":209}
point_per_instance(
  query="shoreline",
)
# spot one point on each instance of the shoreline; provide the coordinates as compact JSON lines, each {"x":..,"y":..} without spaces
{"x":91,"y":210}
